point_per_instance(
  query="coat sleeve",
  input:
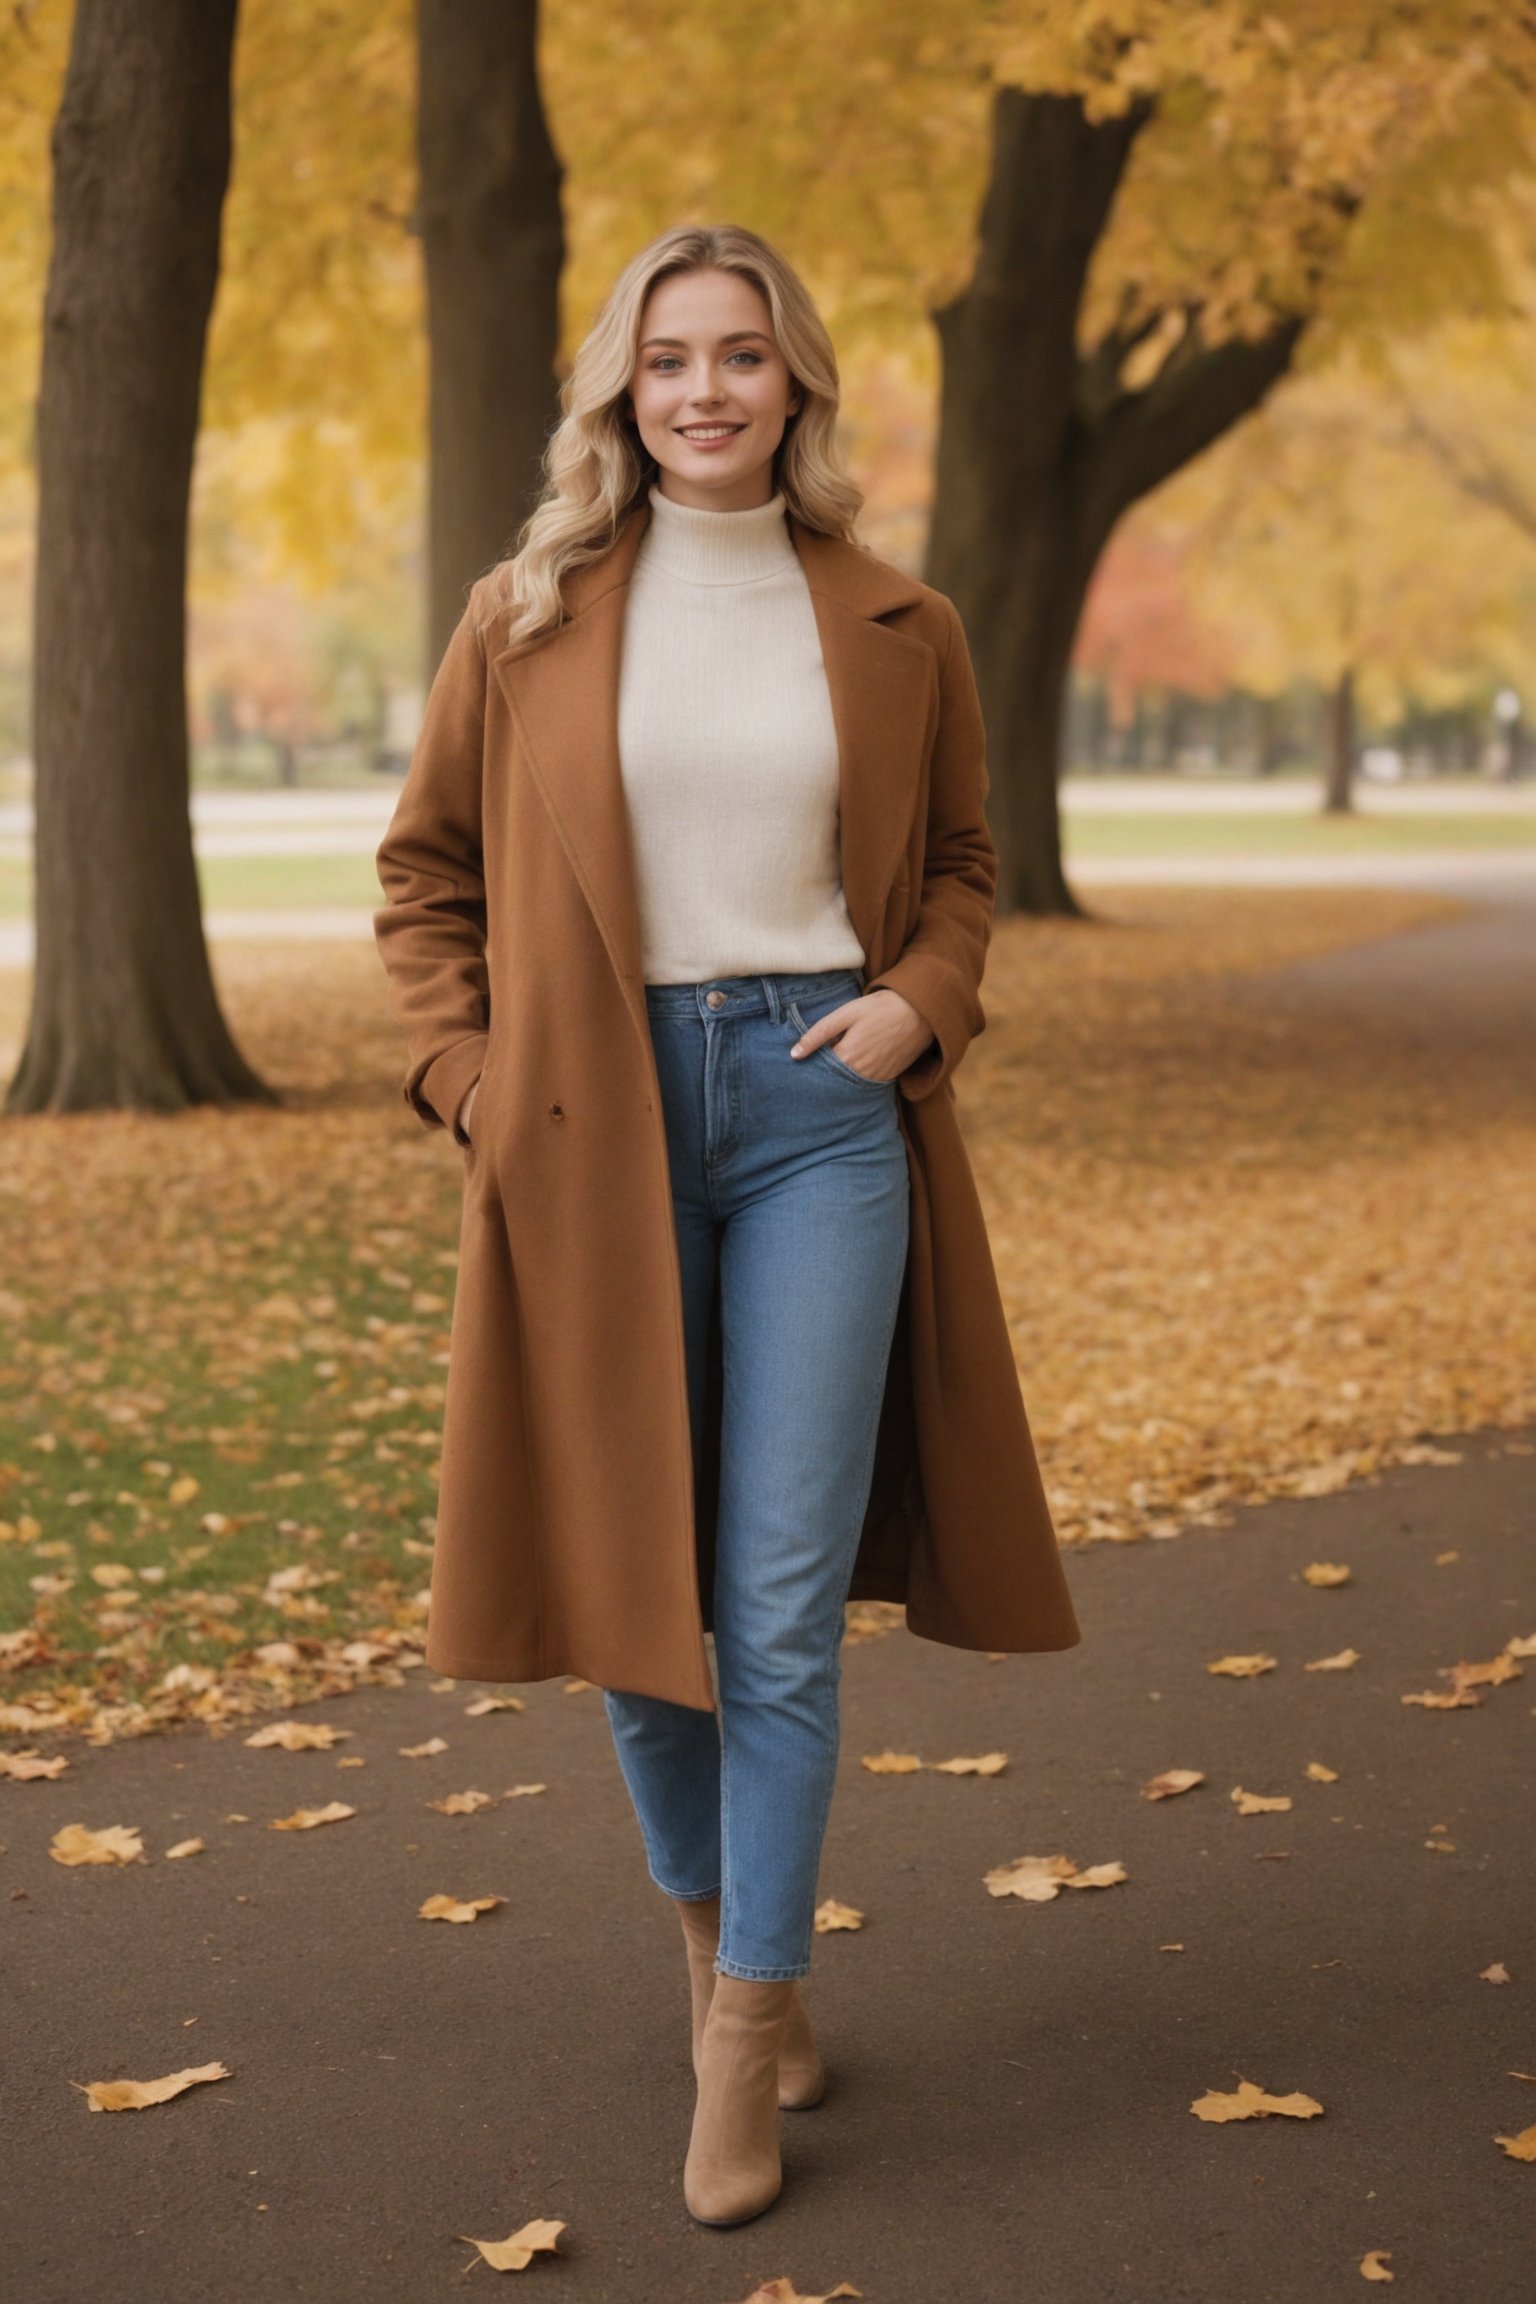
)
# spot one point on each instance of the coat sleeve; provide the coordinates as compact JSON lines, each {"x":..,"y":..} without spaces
{"x":939,"y":968}
{"x":432,"y":930}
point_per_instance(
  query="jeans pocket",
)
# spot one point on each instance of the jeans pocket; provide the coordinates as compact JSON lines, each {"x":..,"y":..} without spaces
{"x":829,"y":1056}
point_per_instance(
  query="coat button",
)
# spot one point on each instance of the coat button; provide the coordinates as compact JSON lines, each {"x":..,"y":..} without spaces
{"x":714,"y":999}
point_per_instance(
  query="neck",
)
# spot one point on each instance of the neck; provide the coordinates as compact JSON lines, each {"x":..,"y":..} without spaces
{"x":718,"y":547}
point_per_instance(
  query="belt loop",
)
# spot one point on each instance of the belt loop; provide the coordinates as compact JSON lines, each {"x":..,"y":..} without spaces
{"x":771,"y":989}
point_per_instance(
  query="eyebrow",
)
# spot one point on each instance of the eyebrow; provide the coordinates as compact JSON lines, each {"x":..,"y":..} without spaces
{"x":741,"y":336}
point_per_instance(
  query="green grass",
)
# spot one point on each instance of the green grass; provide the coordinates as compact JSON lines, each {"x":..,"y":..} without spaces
{"x":323,"y":1455}
{"x":283,"y":883}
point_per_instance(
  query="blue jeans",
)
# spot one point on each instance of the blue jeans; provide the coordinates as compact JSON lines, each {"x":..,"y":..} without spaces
{"x":789,"y":1180}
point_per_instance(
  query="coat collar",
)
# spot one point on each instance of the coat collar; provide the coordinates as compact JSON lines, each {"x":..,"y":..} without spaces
{"x":564,"y":697}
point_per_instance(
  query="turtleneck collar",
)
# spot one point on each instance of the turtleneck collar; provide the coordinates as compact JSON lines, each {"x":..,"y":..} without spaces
{"x":718,"y":547}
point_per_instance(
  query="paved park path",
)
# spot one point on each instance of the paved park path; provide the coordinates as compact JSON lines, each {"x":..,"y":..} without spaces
{"x":1009,"y":2115}
{"x":1009,"y":2111}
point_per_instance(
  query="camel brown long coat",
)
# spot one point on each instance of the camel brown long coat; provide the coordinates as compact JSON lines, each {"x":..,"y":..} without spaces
{"x":569,"y":1535}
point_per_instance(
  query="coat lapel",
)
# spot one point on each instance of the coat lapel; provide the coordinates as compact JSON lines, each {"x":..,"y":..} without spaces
{"x":564,"y":696}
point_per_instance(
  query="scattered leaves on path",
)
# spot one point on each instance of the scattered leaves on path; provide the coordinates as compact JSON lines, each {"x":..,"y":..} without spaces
{"x":1373,"y":2265}
{"x":1248,"y":2102}
{"x":460,"y":1803}
{"x":1325,"y":1574}
{"x":1344,"y":1661}
{"x":1242,"y":1667}
{"x":1521,"y":2147}
{"x":135,"y":2095}
{"x":1036,"y":1879}
{"x":1256,"y":1803}
{"x":457,"y":1909}
{"x":517,"y":2252}
{"x":891,"y":1763}
{"x":186,"y":1848}
{"x":484,"y":1704}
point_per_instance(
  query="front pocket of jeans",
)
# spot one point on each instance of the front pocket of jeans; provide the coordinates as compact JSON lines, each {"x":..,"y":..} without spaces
{"x":834,"y":1061}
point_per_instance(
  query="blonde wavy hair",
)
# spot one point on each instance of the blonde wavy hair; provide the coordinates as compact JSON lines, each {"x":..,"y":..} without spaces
{"x":596,"y":467}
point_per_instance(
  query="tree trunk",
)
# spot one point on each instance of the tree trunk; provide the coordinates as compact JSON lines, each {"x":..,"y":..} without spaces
{"x":495,"y":247}
{"x":124,"y":1011}
{"x":1042,"y":449}
{"x":1339,"y":746}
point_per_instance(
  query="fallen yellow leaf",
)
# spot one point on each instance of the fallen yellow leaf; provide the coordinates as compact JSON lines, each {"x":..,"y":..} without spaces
{"x":484,"y":1704}
{"x":460,"y":1803}
{"x":113,"y":1844}
{"x":517,"y":2253}
{"x":1321,"y":1775}
{"x":891,"y":1763}
{"x":831,"y":1915}
{"x":1250,"y":2103}
{"x":989,"y":1764}
{"x":1521,"y":2147}
{"x":29,"y":1766}
{"x":523,"y":1791}
{"x":187,"y":1848}
{"x":1037,"y":1879}
{"x":456,"y":1909}
{"x":1373,"y":2265}
{"x":1256,"y":1804}
{"x":297,"y":1736}
{"x":1242,"y":1667}
{"x":305,"y":1819}
{"x":1323,"y":1573}
{"x":134,"y":2095}
{"x":183,"y":1490}
{"x":425,"y":1751}
{"x":1495,"y":1973}
{"x":1493,"y":1674}
{"x":1339,"y":1663}
{"x":784,"y":2291}
{"x":1448,"y":1700}
{"x":1172,"y":1780}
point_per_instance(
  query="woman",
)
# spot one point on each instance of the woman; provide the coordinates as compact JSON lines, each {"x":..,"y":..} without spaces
{"x":689,"y":891}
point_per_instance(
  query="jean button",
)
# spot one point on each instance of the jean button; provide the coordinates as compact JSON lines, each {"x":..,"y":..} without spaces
{"x":714,"y":999}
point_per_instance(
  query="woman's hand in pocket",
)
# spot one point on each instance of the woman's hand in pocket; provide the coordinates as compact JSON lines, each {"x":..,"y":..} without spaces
{"x":879,"y":1034}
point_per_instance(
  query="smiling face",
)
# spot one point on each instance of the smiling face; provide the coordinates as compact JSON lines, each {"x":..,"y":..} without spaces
{"x":711,"y":391}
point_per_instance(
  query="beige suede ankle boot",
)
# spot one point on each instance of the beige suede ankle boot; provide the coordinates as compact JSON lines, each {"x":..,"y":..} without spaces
{"x":802,"y":2076}
{"x":732,"y":2171}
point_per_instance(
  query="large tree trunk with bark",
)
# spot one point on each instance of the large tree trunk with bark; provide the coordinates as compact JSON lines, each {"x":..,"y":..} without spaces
{"x":124,"y":1011}
{"x":1339,"y":746}
{"x":495,"y":247}
{"x":1043,"y":448}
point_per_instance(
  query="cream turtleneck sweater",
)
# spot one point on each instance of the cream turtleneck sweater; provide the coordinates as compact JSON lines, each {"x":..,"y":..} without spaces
{"x":728,"y":751}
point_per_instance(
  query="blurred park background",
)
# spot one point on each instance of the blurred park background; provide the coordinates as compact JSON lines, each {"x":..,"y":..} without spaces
{"x":1189,"y":350}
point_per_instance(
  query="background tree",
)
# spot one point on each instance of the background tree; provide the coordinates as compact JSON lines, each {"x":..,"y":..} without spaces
{"x":124,"y":1009}
{"x":495,"y":249}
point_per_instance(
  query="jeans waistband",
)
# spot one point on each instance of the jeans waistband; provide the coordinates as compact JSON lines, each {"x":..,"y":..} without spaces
{"x":721,"y":996}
